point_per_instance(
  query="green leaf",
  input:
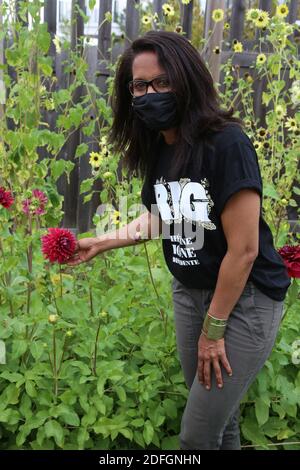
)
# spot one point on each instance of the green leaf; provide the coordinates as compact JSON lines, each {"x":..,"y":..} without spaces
{"x":57,"y":168}
{"x":148,"y":432}
{"x":127,"y":433}
{"x":82,"y":436}
{"x":261,"y":411}
{"x":92,"y":4}
{"x":19,"y":346}
{"x":54,"y":429}
{"x":86,"y":185}
{"x":121,"y":393}
{"x":30,"y":388}
{"x":270,"y":191}
{"x":81,"y":150}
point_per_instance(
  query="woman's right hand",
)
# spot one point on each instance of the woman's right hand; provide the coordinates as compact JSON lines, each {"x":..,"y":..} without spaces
{"x":85,"y":250}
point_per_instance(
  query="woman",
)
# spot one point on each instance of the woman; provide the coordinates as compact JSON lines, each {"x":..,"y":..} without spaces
{"x":203,"y":191}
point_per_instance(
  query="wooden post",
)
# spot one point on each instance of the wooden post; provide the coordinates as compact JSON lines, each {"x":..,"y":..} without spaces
{"x":186,"y":18}
{"x":157,"y":8}
{"x":237,"y":20}
{"x":71,"y":195}
{"x":50,"y":14}
{"x":214,"y":60}
{"x":2,"y":86}
{"x":132,"y":21}
{"x":104,"y":43}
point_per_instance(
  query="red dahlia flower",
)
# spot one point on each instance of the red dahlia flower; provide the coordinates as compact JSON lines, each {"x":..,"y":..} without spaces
{"x":6,"y":198}
{"x":291,"y":258}
{"x":36,"y":203}
{"x":58,"y":245}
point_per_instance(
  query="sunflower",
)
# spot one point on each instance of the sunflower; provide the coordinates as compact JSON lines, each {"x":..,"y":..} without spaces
{"x":282,"y":11}
{"x":95,"y":159}
{"x":262,"y":133}
{"x":146,"y":19}
{"x":261,"y":59}
{"x":257,"y":145}
{"x":280,"y":111}
{"x":168,"y":9}
{"x":252,"y":14}
{"x":263,"y":19}
{"x":178,"y":29}
{"x":217,"y":50}
{"x":116,"y":217}
{"x":217,"y":15}
{"x":185,"y":2}
{"x":226,"y":26}
{"x":238,"y":47}
{"x":291,"y":124}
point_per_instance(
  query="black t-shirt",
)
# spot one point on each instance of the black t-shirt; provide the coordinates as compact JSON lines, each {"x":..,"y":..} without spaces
{"x":192,"y":205}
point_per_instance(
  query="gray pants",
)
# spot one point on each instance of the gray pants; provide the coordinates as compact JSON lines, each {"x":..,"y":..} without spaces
{"x":211,"y":417}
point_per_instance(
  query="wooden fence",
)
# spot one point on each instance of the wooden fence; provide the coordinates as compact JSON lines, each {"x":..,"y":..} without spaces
{"x":77,"y":215}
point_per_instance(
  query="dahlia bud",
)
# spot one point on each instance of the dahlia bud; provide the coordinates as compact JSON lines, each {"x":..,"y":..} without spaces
{"x":52,"y":318}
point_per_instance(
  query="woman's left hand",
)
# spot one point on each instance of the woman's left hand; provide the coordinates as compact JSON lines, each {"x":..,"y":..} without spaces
{"x":211,"y":352}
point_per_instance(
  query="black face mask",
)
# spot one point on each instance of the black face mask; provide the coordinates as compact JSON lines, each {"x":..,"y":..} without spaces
{"x":158,"y":111}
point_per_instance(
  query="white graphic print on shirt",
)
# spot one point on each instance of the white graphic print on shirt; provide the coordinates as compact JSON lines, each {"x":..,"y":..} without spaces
{"x":188,"y":201}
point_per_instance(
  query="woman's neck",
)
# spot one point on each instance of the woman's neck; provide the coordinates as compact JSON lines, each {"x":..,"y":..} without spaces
{"x":170,"y":135}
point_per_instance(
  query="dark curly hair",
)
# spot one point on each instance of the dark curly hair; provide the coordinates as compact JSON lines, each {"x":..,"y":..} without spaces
{"x":197,"y":101}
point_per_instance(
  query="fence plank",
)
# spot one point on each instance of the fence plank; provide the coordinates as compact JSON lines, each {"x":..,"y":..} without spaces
{"x":214,"y":39}
{"x":237,"y":20}
{"x":132,"y":26}
{"x":186,"y":18}
{"x":2,"y":87}
{"x":104,"y":43}
{"x":71,"y":193}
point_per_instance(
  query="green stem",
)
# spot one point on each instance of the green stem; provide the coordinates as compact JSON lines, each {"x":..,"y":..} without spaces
{"x":96,"y":349}
{"x":164,"y":319}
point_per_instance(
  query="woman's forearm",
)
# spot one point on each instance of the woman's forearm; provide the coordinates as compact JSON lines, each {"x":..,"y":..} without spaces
{"x":233,"y":275}
{"x":145,"y":227}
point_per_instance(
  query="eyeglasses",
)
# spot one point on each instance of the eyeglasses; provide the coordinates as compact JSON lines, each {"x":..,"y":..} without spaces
{"x":160,"y":84}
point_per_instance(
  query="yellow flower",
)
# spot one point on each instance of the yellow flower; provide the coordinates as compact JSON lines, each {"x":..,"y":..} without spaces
{"x":95,"y":159}
{"x":146,"y":19}
{"x":261,"y":59}
{"x":282,"y":11}
{"x":280,"y":111}
{"x":291,"y":124}
{"x":216,"y":50}
{"x":217,"y":15}
{"x":238,"y":47}
{"x":226,"y":26}
{"x":252,"y":14}
{"x":261,"y":133}
{"x":263,"y":19}
{"x":168,"y":9}
{"x":257,"y":145}
{"x":116,"y":217}
{"x":185,"y":2}
{"x":178,"y":29}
